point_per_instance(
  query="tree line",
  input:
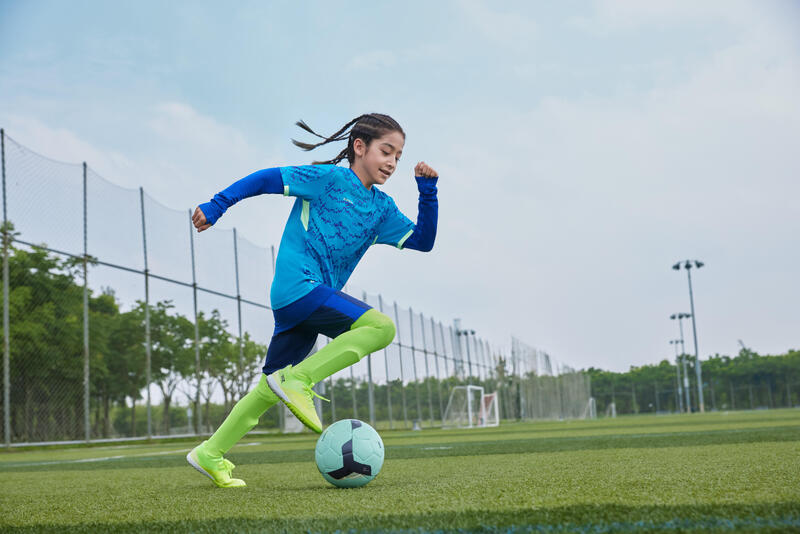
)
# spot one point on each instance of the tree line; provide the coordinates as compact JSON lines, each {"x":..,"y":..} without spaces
{"x":746,"y":381}
{"x":47,"y":363}
{"x":46,"y":313}
{"x":47,"y":354}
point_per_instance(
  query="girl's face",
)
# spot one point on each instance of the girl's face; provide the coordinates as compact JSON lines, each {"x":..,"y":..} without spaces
{"x":375,"y":163}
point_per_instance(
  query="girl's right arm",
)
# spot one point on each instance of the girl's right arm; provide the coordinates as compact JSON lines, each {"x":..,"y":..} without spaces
{"x":258,"y":183}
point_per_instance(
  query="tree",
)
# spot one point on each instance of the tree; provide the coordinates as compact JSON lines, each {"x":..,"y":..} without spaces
{"x":172,"y":351}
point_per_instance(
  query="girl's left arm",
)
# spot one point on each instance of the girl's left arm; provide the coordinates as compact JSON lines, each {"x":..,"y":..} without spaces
{"x":424,"y":233}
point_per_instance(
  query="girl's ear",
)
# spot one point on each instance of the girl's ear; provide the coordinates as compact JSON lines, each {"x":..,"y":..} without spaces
{"x":359,"y":147}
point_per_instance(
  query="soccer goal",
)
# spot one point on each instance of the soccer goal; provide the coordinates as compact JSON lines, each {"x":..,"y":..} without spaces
{"x":590,"y":411}
{"x":470,"y":407}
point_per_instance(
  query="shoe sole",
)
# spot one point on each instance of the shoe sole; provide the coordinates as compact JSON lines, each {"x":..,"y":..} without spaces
{"x":277,"y":390}
{"x":196,"y":465}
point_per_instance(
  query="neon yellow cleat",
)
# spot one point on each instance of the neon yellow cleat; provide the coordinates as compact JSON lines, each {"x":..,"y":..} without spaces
{"x":297,"y":395}
{"x":217,"y":469}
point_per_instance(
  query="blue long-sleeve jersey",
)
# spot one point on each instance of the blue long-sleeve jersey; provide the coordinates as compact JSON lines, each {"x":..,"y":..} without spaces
{"x":335,"y":219}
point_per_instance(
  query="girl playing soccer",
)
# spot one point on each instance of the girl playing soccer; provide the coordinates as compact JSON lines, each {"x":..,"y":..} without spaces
{"x":337,"y":216}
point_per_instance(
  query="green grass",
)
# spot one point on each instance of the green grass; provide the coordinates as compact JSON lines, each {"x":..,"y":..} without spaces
{"x":737,"y":472}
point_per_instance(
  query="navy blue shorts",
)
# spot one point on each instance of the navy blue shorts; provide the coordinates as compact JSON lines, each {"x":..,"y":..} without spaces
{"x":334,"y":316}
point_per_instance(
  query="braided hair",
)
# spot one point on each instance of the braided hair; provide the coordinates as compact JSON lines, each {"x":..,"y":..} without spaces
{"x":365,"y":127}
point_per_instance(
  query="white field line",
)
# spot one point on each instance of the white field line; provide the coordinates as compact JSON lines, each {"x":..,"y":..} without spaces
{"x":106,"y":458}
{"x":100,"y":459}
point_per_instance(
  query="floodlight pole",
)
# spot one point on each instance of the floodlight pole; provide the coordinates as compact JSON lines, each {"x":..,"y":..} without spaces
{"x":467,"y":332}
{"x":680,"y":317}
{"x":678,"y":372}
{"x":688,"y":266}
{"x":6,"y":326}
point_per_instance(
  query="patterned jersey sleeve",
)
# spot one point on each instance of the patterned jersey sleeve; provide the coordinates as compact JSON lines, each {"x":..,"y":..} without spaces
{"x":305,"y":181}
{"x":395,"y":227}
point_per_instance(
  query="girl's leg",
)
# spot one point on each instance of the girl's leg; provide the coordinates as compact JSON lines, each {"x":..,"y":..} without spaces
{"x":243,"y":417}
{"x":356,"y":329}
{"x":284,"y":348}
{"x":369,"y":333}
{"x":208,"y":456}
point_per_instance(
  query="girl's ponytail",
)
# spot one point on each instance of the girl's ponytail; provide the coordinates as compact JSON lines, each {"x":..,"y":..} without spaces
{"x":365,"y":127}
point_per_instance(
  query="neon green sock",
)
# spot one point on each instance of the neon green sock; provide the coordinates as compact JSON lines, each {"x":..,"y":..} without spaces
{"x":242,"y":419}
{"x":372,"y":331}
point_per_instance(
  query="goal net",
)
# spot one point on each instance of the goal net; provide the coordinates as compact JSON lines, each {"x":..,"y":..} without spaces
{"x":470,"y":407}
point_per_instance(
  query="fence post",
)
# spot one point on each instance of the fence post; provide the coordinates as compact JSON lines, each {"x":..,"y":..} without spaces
{"x":239,"y":315}
{"x":370,"y":385}
{"x":444,"y":353}
{"x":469,"y":357}
{"x":414,"y":362}
{"x":402,"y":377}
{"x":353,"y":392}
{"x":197,"y":420}
{"x":478,"y":362}
{"x":282,"y":409}
{"x":515,"y":348}
{"x":479,"y":354}
{"x":86,"y":422}
{"x":147,"y":353}
{"x":487,"y":359}
{"x":427,"y":369}
{"x":456,"y":337}
{"x":488,"y":354}
{"x":333,"y":400}
{"x":6,"y":343}
{"x":388,"y":380}
{"x":436,"y":364}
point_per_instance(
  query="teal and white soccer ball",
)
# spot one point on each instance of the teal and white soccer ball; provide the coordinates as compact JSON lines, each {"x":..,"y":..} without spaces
{"x":349,"y":453}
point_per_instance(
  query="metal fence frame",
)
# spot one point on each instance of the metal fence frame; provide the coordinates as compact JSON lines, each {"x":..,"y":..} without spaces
{"x":468,"y":358}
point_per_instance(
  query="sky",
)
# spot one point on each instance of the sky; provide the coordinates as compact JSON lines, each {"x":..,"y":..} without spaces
{"x":583,"y":147}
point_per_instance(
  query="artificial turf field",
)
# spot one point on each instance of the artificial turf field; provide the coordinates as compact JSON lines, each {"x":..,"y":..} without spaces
{"x":721,"y":472}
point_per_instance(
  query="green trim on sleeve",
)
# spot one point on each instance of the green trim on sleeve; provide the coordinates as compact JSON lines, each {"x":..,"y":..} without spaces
{"x":286,"y":190}
{"x":374,"y":240}
{"x":304,"y":214}
{"x":403,"y":239}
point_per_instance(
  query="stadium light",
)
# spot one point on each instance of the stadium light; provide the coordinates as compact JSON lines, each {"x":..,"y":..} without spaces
{"x":464,"y":332}
{"x":688,"y":264}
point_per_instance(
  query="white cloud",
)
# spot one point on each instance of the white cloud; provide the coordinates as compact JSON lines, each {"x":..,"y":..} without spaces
{"x":61,"y":144}
{"x":559,"y":216}
{"x":186,"y":159}
{"x":559,"y":223}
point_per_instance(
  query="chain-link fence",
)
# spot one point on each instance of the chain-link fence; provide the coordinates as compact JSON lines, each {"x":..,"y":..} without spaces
{"x":119,"y":322}
{"x":533,"y":385}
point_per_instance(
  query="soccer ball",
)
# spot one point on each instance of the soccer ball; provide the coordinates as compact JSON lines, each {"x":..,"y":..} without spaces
{"x":349,"y":453}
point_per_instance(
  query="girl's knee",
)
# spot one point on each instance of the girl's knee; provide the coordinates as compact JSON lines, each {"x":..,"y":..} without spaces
{"x":381,"y":325}
{"x":386,"y":328}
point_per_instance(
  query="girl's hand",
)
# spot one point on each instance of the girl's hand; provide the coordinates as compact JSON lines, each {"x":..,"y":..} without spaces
{"x":425,"y":170}
{"x":199,"y":220}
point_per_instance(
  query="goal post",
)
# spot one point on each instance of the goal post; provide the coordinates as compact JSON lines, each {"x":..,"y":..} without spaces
{"x":470,"y":407}
{"x":490,"y":409}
